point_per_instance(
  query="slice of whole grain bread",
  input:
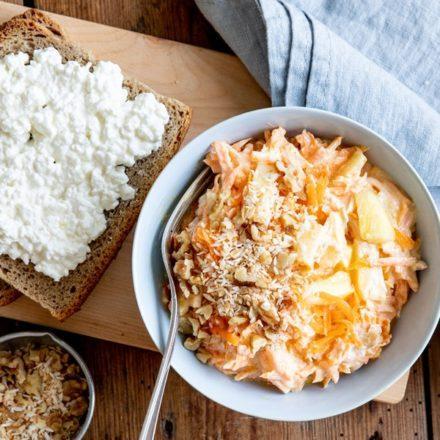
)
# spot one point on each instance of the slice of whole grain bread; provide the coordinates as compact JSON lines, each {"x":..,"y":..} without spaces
{"x":39,"y":18}
{"x":7,"y":293}
{"x":65,"y":297}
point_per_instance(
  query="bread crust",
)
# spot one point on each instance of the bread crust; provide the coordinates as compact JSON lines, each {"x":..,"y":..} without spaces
{"x":7,"y":294}
{"x":65,"y":297}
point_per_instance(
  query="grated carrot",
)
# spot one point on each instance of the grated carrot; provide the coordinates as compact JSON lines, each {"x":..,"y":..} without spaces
{"x":312,"y":195}
{"x":404,"y":240}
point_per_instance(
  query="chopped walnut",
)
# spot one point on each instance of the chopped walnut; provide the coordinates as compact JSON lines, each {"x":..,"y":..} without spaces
{"x":42,"y":394}
{"x":192,"y":344}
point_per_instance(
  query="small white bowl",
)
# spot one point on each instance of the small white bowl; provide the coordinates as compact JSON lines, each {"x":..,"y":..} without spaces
{"x":411,"y":331}
{"x":21,"y":339}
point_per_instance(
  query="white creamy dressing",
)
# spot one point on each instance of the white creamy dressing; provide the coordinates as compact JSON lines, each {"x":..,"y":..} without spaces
{"x":66,"y":135}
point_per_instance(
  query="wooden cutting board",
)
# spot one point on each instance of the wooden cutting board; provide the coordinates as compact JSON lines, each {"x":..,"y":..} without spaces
{"x":216,"y":86}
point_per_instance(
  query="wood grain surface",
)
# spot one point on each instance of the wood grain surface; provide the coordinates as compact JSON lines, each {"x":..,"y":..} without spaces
{"x":178,"y":20}
{"x":124,"y":376}
{"x":432,"y":384}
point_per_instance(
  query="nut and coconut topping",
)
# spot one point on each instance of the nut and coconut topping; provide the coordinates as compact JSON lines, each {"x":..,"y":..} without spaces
{"x":43,"y":394}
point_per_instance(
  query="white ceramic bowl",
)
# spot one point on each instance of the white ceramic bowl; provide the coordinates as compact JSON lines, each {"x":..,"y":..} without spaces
{"x":411,"y":332}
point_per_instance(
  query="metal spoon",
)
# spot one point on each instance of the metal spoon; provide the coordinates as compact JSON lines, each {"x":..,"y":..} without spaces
{"x":193,"y":192}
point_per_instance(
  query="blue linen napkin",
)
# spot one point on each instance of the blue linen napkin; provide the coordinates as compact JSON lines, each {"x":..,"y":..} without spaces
{"x":375,"y":61}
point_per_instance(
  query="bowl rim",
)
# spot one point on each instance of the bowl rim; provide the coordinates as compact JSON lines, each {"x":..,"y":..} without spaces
{"x":273,"y":111}
{"x":79,"y":360}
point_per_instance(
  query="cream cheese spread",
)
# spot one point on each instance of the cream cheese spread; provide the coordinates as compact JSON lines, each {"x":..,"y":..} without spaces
{"x":67,"y":132}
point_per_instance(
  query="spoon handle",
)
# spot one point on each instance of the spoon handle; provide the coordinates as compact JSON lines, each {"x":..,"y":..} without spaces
{"x":150,"y":422}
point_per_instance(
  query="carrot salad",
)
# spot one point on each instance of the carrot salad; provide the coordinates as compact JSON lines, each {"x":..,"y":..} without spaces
{"x":295,"y":262}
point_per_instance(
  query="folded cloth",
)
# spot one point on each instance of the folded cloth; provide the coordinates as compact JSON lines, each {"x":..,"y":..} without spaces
{"x":375,"y":61}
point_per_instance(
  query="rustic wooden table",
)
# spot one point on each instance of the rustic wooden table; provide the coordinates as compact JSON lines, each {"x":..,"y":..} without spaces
{"x":124,"y":376}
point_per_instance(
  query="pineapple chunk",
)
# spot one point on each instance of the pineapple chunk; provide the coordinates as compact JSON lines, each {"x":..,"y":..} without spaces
{"x":374,"y":223}
{"x":338,"y":284}
{"x":354,"y":164}
{"x":370,"y":283}
{"x":309,"y":240}
{"x":337,"y":251}
{"x":363,"y":253}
